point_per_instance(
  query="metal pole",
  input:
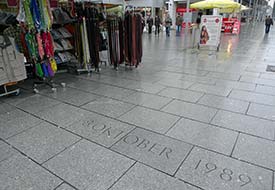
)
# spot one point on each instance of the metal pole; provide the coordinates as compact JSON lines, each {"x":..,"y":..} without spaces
{"x":186,"y":24}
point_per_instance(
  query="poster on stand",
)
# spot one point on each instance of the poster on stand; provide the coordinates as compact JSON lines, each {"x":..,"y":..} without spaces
{"x":236,"y":27}
{"x":210,"y":30}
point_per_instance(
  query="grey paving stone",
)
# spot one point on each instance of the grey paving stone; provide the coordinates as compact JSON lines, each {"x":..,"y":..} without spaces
{"x":149,"y":119}
{"x":18,"y":172}
{"x":65,"y":186}
{"x":227,"y":76}
{"x":263,"y":111}
{"x":156,"y":150}
{"x":4,"y":108}
{"x":224,"y":103}
{"x":207,"y":136}
{"x":147,"y":100}
{"x":36,"y":103}
{"x":210,"y":171}
{"x":113,"y":92}
{"x":88,"y":86}
{"x":62,"y":114}
{"x":210,"y":89}
{"x":89,"y":166}
{"x":185,"y":95}
{"x":176,"y":83}
{"x":189,"y":110}
{"x":108,"y":107}
{"x":247,"y":124}
{"x":145,"y":87}
{"x":16,"y":121}
{"x":43,"y":141}
{"x":71,"y":95}
{"x":270,"y":76}
{"x":236,"y":85}
{"x":199,"y":79}
{"x":6,"y":151}
{"x":261,"y":81}
{"x":255,"y":150}
{"x":265,"y":89}
{"x":100,"y":129}
{"x":141,"y":177}
{"x":253,"y":97}
{"x":250,"y":74}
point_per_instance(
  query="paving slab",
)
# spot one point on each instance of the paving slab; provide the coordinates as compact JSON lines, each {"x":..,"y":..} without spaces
{"x":185,"y":95}
{"x":6,"y":151}
{"x":263,"y":111}
{"x":189,"y":110}
{"x":145,"y":87}
{"x":16,"y":121}
{"x":36,"y":103}
{"x":113,"y":92}
{"x":227,"y":76}
{"x":85,"y":85}
{"x":43,"y":141}
{"x":199,"y":79}
{"x":224,"y":103}
{"x":255,"y":150}
{"x":176,"y":83}
{"x":4,"y":108}
{"x":150,"y":119}
{"x":210,"y":89}
{"x":265,"y":89}
{"x":109,"y":107}
{"x":65,"y":186}
{"x":141,"y":177}
{"x":210,"y":170}
{"x":89,"y":166}
{"x":156,"y":150}
{"x":261,"y":81}
{"x":62,"y":114}
{"x":236,"y":85}
{"x":18,"y":172}
{"x":100,"y":129}
{"x":207,"y":136}
{"x":247,"y":124}
{"x":71,"y":95}
{"x":253,"y":97}
{"x":147,"y":100}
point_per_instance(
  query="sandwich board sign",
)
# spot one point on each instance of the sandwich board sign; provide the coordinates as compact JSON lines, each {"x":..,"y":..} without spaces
{"x":210,"y":30}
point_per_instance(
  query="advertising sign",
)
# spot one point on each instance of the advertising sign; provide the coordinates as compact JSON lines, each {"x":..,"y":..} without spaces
{"x":210,"y":30}
{"x":236,"y":27}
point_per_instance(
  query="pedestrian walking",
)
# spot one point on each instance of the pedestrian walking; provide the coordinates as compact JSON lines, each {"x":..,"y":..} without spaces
{"x":179,"y":21}
{"x":150,"y":22}
{"x":268,"y":22}
{"x":168,"y":24}
{"x":157,"y":25}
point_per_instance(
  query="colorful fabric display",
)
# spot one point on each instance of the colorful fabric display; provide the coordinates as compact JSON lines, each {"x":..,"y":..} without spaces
{"x":53,"y":64}
{"x":40,"y":46}
{"x":29,"y":18}
{"x":32,"y":45}
{"x":38,"y":70}
{"x":45,"y":69}
{"x":35,"y":14}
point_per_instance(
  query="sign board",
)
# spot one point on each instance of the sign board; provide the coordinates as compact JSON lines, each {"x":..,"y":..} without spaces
{"x":236,"y":27}
{"x":210,"y":30}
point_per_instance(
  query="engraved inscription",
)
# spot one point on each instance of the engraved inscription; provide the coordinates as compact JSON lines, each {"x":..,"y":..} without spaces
{"x":224,"y":174}
{"x":102,"y":129}
{"x":147,"y":145}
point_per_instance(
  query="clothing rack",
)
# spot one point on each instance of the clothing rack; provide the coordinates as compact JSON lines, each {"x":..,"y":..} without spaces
{"x":36,"y":19}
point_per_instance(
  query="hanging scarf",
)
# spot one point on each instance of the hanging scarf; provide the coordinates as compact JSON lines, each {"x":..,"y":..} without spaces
{"x":29,"y":19}
{"x":35,"y":14}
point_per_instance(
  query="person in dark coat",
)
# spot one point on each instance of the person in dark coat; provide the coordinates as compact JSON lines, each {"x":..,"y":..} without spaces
{"x":150,"y":23}
{"x":157,"y":24}
{"x":268,"y":22}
